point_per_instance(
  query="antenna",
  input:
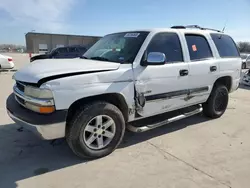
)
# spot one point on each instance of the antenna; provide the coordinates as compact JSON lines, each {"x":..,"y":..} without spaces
{"x":225,"y":25}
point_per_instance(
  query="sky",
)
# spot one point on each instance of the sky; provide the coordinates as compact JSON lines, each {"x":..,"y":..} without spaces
{"x":100,"y":17}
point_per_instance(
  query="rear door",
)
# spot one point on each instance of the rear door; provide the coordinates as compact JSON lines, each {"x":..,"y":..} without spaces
{"x":203,"y":67}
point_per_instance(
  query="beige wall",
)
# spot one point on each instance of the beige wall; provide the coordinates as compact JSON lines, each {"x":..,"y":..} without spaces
{"x":43,"y":39}
{"x":59,"y":40}
{"x":75,"y":40}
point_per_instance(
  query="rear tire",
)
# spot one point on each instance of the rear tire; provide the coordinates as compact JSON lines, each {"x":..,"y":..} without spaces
{"x":217,"y":102}
{"x":85,"y":134}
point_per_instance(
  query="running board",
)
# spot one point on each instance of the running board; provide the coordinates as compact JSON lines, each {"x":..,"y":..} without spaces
{"x":164,"y":122}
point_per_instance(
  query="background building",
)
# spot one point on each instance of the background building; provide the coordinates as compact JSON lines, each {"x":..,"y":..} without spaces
{"x":42,"y":42}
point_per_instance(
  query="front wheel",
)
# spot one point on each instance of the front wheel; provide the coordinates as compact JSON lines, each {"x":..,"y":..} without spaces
{"x":96,"y":130}
{"x":217,"y":102}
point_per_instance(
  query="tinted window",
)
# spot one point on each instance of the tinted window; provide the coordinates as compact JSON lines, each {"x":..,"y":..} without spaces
{"x":198,"y":47}
{"x":169,"y":44}
{"x":225,"y":45}
{"x":82,"y":49}
{"x":62,"y":50}
{"x":72,"y":50}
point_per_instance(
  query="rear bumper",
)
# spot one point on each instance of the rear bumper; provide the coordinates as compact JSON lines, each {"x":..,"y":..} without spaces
{"x":235,"y":85}
{"x":47,"y":126}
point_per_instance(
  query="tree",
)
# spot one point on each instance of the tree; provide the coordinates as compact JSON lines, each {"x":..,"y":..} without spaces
{"x":244,"y":47}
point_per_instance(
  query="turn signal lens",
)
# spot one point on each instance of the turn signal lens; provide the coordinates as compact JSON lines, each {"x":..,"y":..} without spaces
{"x":40,"y":109}
{"x":46,"y":109}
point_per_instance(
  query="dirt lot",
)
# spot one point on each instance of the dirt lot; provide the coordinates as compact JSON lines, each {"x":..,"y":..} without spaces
{"x":193,"y":153}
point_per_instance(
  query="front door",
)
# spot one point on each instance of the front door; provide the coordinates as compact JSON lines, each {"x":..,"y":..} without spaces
{"x":164,"y":87}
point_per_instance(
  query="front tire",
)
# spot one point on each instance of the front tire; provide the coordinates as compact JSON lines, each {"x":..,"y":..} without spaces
{"x":95,"y":130}
{"x":217,"y":102}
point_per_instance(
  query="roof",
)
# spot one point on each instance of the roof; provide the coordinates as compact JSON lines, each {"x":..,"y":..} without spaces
{"x":192,"y":30}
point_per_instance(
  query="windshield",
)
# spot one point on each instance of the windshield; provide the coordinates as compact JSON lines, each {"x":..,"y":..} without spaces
{"x":243,"y":56}
{"x":118,"y":47}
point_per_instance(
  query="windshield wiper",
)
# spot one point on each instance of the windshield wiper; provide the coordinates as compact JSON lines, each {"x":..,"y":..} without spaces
{"x":100,"y":58}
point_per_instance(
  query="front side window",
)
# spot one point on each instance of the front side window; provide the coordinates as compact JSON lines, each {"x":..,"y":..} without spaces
{"x":118,"y":47}
{"x":225,"y":45}
{"x":198,"y":47}
{"x":169,"y":44}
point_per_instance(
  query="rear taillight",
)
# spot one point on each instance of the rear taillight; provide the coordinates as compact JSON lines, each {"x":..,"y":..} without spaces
{"x":9,"y":59}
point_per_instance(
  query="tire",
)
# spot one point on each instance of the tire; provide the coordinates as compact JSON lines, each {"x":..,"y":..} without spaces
{"x":244,"y":66}
{"x":76,"y":131}
{"x":217,"y":102}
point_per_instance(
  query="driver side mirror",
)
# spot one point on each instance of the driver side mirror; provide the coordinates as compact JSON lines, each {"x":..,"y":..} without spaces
{"x":154,"y":58}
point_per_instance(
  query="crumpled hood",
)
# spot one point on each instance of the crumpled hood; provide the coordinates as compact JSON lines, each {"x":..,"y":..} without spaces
{"x":40,"y":69}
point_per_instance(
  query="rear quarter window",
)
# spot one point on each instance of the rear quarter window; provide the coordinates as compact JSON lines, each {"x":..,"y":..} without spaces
{"x":225,"y":46}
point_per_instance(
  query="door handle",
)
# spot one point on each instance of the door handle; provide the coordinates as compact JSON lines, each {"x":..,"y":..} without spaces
{"x":183,"y":72}
{"x":213,"y":68}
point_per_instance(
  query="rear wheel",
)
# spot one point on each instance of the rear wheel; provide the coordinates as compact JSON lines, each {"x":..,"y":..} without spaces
{"x":96,"y":130}
{"x":217,"y":102}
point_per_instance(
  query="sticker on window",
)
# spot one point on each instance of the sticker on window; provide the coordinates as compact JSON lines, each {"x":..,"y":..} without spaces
{"x":194,"y":48}
{"x":133,"y":35}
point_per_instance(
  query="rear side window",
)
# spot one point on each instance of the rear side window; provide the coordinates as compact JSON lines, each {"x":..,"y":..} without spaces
{"x":169,"y":44}
{"x":198,"y":47}
{"x":72,"y":50}
{"x":62,"y":50}
{"x":225,"y":45}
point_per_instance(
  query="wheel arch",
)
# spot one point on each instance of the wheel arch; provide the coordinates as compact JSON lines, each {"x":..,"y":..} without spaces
{"x":226,"y":81}
{"x":116,"y":99}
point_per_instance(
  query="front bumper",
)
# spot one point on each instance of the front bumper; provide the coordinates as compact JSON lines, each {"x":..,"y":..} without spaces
{"x":47,"y":126}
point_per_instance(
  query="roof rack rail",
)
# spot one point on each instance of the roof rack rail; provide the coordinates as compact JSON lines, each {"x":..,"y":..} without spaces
{"x":194,"y":27}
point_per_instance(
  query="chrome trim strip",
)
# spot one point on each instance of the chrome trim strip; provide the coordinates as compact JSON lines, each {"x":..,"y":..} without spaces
{"x":40,"y":102}
{"x":19,"y":102}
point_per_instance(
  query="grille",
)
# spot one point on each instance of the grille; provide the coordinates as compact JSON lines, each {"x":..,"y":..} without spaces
{"x":20,"y":86}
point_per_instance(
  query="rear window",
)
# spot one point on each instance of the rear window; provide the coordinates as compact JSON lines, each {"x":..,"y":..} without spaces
{"x":225,"y":45}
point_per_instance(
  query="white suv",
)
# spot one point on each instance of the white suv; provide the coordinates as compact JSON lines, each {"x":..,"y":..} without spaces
{"x":177,"y":72}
